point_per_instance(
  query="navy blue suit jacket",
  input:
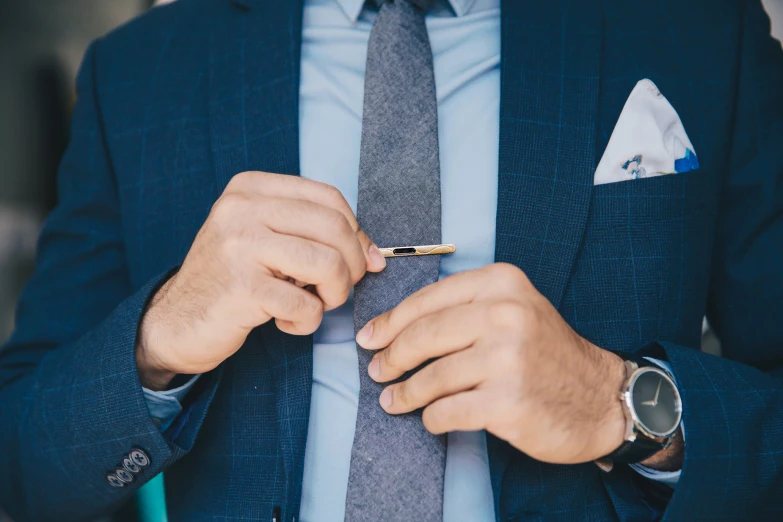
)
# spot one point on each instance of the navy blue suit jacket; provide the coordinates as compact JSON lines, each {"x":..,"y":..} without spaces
{"x":174,"y":104}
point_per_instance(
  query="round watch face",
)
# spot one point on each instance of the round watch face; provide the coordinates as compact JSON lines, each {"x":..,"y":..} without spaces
{"x":656,"y":402}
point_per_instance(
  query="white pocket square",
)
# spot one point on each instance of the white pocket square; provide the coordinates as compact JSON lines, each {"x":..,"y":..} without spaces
{"x":648,"y":140}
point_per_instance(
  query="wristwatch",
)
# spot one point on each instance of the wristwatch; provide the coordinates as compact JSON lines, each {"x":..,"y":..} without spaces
{"x":653,"y":412}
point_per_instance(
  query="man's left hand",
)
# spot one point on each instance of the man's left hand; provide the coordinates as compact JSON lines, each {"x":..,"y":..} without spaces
{"x":504,"y":360}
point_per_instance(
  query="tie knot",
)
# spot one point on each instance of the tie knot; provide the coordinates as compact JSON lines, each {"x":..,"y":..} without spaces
{"x":424,"y":5}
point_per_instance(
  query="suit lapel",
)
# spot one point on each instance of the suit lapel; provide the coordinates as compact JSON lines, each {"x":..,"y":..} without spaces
{"x":254,"y":89}
{"x":254,"y":125}
{"x":550,"y":65}
{"x":548,"y":117}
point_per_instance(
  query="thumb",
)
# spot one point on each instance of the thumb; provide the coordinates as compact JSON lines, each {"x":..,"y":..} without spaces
{"x":375,"y":260}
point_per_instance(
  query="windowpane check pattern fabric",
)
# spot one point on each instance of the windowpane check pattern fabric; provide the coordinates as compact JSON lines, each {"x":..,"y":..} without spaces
{"x":397,"y":467}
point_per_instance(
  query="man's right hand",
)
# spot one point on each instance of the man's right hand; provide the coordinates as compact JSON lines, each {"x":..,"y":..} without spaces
{"x":266,"y":238}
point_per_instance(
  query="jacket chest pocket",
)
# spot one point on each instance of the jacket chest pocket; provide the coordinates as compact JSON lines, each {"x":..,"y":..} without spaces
{"x":643,"y":269}
{"x":647,"y":205}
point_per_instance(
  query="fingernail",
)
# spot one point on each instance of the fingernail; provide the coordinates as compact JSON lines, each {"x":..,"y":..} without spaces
{"x":375,"y":368}
{"x":363,"y":336}
{"x":386,"y":398}
{"x":376,"y":257}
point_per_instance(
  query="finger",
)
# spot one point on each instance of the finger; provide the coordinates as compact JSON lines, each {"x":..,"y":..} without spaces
{"x":375,"y":260}
{"x":309,"y":262}
{"x":466,"y":411}
{"x":294,"y":187}
{"x":433,"y":335}
{"x":323,"y":225}
{"x":297,"y":309}
{"x":454,"y":290}
{"x":446,"y":376}
{"x":292,"y":328}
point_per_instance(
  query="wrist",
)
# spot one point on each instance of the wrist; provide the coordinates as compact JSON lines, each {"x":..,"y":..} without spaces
{"x":153,"y":373}
{"x":612,"y":427}
{"x":669,"y":459}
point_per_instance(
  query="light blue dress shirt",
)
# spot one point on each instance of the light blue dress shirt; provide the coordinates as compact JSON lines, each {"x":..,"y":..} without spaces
{"x":465,"y":39}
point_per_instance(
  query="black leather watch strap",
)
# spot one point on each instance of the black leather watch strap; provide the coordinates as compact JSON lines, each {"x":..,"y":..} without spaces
{"x":633,"y":452}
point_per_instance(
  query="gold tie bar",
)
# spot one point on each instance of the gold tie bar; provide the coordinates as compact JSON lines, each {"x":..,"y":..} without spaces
{"x":423,"y":250}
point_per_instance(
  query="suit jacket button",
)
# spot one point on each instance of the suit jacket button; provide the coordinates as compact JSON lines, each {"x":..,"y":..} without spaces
{"x":129,"y":465}
{"x":124,"y":475}
{"x":139,"y":458}
{"x":114,"y":481}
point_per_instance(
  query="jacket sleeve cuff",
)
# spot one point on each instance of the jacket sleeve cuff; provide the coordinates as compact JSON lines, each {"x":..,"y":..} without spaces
{"x":732,"y":411}
{"x":89,"y":394}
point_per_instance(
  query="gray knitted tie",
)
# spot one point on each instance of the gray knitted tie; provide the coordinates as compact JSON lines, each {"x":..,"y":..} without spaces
{"x":397,"y":467}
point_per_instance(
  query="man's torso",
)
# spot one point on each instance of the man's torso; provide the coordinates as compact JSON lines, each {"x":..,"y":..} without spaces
{"x":213,"y":90}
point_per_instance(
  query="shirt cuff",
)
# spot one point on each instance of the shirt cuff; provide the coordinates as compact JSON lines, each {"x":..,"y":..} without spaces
{"x":666,"y":477}
{"x":164,"y":406}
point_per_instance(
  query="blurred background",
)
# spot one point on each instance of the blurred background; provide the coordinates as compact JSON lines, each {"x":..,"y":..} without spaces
{"x":41,"y":45}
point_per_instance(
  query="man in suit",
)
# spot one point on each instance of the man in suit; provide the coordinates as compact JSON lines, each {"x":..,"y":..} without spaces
{"x":234,"y":167}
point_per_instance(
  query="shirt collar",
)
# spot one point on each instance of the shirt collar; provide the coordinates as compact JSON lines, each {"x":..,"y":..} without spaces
{"x":353,"y":8}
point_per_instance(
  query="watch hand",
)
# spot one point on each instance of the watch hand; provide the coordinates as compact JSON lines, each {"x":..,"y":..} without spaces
{"x":657,"y":392}
{"x":654,"y":401}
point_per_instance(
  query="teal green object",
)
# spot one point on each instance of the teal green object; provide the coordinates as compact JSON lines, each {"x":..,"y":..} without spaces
{"x":151,"y":501}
